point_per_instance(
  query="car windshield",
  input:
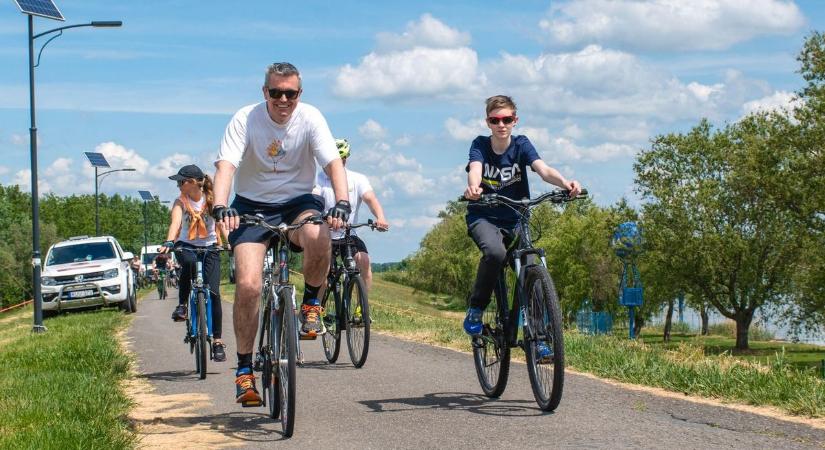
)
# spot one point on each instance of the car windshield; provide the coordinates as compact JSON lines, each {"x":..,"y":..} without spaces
{"x":149,"y":257}
{"x":92,"y":251}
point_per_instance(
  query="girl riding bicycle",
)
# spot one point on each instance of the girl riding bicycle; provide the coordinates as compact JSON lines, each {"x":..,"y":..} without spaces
{"x":193,"y":226}
{"x":498,"y":164}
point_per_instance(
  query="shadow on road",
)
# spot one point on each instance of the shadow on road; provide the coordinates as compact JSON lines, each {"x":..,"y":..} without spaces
{"x":177,"y":376}
{"x":323,"y":365}
{"x":475,"y":403}
{"x":250,"y":427}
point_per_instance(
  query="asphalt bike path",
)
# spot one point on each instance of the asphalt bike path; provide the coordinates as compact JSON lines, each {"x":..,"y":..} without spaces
{"x":411,"y":395}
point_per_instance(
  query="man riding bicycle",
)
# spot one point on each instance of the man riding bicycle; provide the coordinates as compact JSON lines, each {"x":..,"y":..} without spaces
{"x":498,"y":164}
{"x":274,"y":146}
{"x":359,"y":189}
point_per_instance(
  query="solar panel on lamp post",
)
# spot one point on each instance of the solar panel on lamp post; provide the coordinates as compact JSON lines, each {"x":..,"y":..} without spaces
{"x":97,"y":160}
{"x":46,"y":9}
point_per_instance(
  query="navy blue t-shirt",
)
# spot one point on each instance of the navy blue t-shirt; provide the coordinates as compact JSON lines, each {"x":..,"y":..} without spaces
{"x":504,"y":174}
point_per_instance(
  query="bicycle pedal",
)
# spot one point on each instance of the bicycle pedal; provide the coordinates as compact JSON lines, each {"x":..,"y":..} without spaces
{"x":252,"y":404}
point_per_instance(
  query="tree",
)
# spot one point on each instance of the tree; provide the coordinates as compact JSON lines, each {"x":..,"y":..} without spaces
{"x":729,"y":239}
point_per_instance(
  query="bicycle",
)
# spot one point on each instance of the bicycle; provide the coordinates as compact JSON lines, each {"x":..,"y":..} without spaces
{"x":199,"y":331}
{"x":535,"y":308}
{"x":344,"y":278}
{"x":161,"y":283}
{"x":277,"y":353}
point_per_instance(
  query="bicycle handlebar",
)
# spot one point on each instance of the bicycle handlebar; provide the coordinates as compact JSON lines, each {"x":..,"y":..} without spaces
{"x":555,"y":196}
{"x":281,"y":228}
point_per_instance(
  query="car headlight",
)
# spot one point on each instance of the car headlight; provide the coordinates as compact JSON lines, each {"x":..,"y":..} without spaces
{"x":48,"y":281}
{"x":111,"y":273}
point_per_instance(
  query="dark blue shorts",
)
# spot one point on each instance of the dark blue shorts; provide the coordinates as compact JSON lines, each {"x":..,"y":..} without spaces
{"x":275,"y":213}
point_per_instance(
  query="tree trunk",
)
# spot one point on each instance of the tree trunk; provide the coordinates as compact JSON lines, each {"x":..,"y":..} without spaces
{"x":668,"y":320}
{"x":638,"y":323}
{"x":703,"y":312}
{"x":743,"y":324}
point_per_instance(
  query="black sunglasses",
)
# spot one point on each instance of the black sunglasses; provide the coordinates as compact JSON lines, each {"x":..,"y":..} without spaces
{"x":289,"y":93}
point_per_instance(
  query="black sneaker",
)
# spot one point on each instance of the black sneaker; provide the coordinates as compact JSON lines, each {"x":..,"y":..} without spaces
{"x":218,"y":355}
{"x":179,"y":314}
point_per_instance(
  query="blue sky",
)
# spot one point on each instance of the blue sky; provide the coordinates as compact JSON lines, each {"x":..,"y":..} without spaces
{"x":405,"y":82}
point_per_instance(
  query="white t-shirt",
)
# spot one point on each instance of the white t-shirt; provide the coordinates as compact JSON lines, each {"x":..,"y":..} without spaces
{"x":276,"y":163}
{"x":358,"y":185}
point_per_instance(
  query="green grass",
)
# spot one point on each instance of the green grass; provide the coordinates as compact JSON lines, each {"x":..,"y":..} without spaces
{"x":62,"y":388}
{"x":800,"y":356}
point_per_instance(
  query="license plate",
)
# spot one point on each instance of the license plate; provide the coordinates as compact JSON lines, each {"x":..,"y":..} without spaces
{"x":86,"y":293}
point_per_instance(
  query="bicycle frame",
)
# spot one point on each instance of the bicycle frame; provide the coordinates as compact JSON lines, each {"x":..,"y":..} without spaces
{"x":519,"y":256}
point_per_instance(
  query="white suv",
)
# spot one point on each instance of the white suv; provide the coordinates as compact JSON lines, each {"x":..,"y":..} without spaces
{"x":83,"y":271}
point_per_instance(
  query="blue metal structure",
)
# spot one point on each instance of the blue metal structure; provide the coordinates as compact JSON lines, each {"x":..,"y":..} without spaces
{"x":627,"y":242}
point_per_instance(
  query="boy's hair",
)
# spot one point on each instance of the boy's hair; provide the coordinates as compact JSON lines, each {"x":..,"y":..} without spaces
{"x":500,"y":101}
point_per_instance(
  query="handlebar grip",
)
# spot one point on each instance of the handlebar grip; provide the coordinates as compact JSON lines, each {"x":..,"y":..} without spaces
{"x":583,"y":192}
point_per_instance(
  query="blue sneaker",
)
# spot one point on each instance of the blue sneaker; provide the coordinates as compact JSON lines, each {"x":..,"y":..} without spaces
{"x":543,"y":353}
{"x":472,"y":323}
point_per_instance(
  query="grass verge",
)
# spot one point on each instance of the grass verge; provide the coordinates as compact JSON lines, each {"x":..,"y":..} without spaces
{"x":61,"y":389}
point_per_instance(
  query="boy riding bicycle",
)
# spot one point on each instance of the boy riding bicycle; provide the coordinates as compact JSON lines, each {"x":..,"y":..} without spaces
{"x":498,"y":164}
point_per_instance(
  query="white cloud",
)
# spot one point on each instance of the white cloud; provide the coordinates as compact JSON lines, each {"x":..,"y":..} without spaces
{"x":428,"y":59}
{"x":778,"y":101}
{"x":23,"y":178}
{"x":420,"y":71}
{"x":404,"y":140}
{"x":601,"y":82}
{"x":372,"y":130}
{"x":466,"y":131}
{"x":669,"y":24}
{"x":4,"y":170}
{"x":19,"y":139}
{"x":426,"y":32}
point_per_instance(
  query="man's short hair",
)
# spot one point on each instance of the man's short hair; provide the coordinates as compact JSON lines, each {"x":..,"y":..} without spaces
{"x":283,"y":69}
{"x":500,"y":101}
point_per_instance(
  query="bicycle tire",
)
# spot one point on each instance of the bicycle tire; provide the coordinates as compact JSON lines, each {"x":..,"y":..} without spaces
{"x":201,"y":344}
{"x":287,"y":360}
{"x":331,"y":340}
{"x":358,"y":322}
{"x":269,"y":382}
{"x":544,"y":317}
{"x":491,"y":353}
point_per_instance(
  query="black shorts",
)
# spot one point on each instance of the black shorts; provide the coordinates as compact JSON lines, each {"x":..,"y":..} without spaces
{"x":355,"y":241}
{"x":274,"y":213}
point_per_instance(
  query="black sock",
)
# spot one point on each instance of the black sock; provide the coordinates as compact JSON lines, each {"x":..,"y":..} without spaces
{"x":310,"y":292}
{"x":245,"y":360}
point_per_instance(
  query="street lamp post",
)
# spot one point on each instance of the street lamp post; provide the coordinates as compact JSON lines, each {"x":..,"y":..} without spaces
{"x":36,"y":262}
{"x":97,"y":197}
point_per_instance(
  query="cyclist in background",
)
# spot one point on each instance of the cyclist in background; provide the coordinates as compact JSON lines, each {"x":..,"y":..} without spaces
{"x":359,"y":189}
{"x":192,"y":226}
{"x":498,"y":164}
{"x":161,"y":262}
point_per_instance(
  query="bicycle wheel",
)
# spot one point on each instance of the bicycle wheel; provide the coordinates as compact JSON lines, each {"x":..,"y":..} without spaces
{"x":358,"y":320}
{"x":287,"y":355}
{"x":491,"y":352}
{"x":543,"y":326}
{"x":200,"y":347}
{"x":331,"y":340}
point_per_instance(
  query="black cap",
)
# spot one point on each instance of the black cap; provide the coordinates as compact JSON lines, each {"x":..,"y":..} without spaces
{"x":186,"y":172}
